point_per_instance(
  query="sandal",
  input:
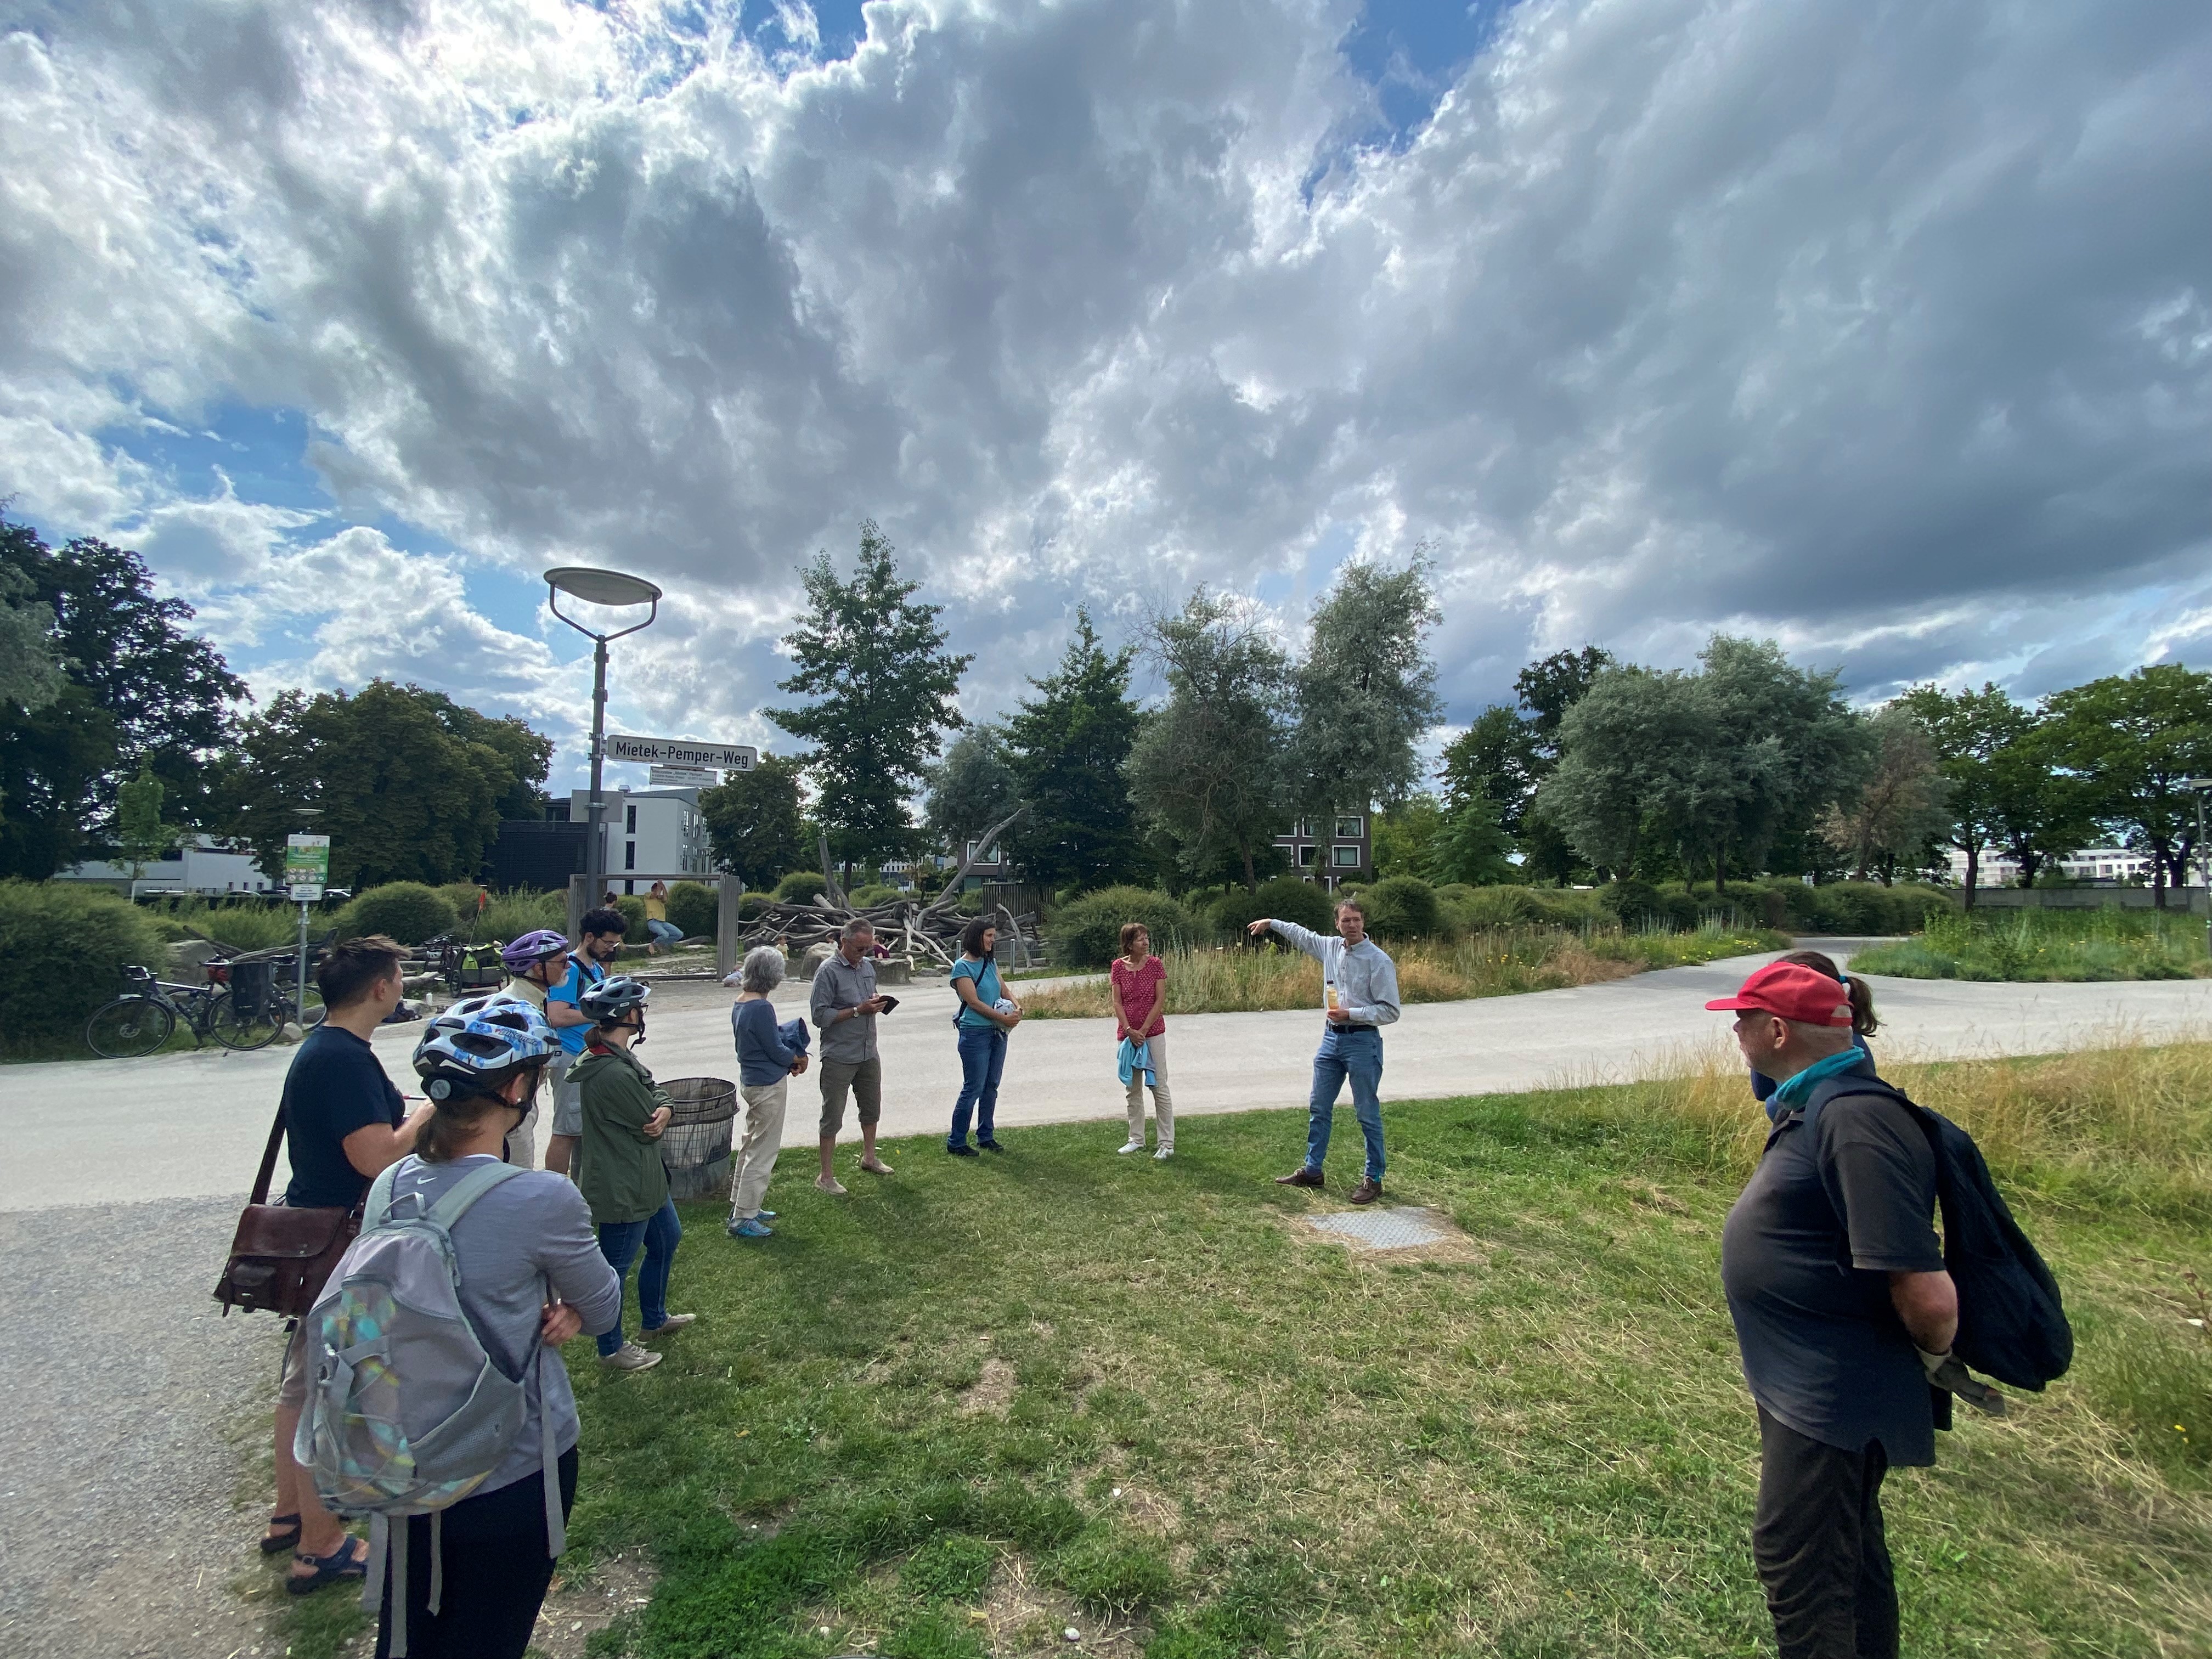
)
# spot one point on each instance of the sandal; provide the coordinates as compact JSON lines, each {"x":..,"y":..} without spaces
{"x":348,"y":1560}
{"x":283,"y":1533}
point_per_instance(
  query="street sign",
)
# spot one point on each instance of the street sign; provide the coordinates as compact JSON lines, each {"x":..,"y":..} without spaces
{"x":682,"y":751}
{"x":684,"y":777}
{"x":306,"y":866}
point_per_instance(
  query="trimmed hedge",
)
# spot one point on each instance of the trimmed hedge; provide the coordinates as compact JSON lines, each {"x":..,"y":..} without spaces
{"x":1402,"y":907}
{"x":406,"y":910}
{"x":696,"y":907}
{"x":1286,"y":898}
{"x":801,"y":886}
{"x":1086,"y":931}
{"x":62,"y":950}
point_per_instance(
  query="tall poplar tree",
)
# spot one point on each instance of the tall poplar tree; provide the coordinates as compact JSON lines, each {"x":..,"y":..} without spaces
{"x":884,"y":686}
{"x":1366,"y":692}
{"x":1067,"y":748}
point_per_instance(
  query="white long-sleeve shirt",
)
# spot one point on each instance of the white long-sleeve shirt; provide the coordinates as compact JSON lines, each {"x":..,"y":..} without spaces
{"x":1366,"y":980}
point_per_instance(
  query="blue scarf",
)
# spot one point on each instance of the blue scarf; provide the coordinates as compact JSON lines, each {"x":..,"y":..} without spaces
{"x":1793,"y":1092}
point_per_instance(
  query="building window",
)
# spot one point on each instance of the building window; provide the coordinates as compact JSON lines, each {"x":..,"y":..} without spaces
{"x":629,"y":819}
{"x":630,"y":852}
{"x":1349,"y":829}
{"x":1309,"y":855}
{"x":989,"y":857}
{"x":1348,"y":858}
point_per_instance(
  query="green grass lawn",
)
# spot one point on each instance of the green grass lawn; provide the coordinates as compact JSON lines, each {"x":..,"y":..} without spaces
{"x":985,"y":1401}
{"x":2103,"y":943}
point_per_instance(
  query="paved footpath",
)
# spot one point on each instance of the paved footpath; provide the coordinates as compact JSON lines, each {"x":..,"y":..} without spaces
{"x":122,"y":1456}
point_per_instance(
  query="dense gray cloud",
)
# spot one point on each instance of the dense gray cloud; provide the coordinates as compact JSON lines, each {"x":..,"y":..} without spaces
{"x":1886,"y":330}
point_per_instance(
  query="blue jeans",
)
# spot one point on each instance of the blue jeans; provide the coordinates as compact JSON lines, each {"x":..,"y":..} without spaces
{"x":982,"y":1058}
{"x":660,"y":1233}
{"x":1357,"y":1056}
{"x":663,"y":932}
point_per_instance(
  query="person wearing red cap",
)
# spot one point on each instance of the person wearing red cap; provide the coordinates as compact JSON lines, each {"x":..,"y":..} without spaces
{"x":1844,"y":1314}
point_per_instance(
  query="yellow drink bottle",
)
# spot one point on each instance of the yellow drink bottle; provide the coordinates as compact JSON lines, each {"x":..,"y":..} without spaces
{"x":1329,"y":990}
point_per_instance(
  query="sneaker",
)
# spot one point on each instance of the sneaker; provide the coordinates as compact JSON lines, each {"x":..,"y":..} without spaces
{"x":765,"y":1215}
{"x":1164,"y":1151}
{"x":1133,"y":1146}
{"x":830,"y":1185}
{"x":631,"y":1357}
{"x":963,"y":1150}
{"x":673,"y":1322}
{"x":750,"y":1227}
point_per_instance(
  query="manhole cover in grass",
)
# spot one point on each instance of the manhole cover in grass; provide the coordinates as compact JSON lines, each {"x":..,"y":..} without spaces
{"x":1385,"y":1229}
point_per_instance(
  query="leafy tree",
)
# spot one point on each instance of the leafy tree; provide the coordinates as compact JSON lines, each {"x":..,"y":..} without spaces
{"x":1501,"y":757}
{"x":139,"y":690}
{"x":1900,"y":809}
{"x":971,"y":789}
{"x":2133,"y":741}
{"x":403,"y":795}
{"x":1472,"y":847}
{"x":1206,"y":771}
{"x":1067,"y":750}
{"x":1505,"y":755}
{"x":2037,"y":812}
{"x":1970,"y":730}
{"x":1552,"y":685}
{"x":140,"y":834}
{"x":30,"y":677}
{"x":1366,"y":692}
{"x":884,"y":686}
{"x":1623,"y":746}
{"x":1405,"y":837}
{"x":753,"y":821}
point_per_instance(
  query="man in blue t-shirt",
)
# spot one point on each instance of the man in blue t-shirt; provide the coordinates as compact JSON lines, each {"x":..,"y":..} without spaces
{"x":600,"y":939}
{"x":345,"y":1124}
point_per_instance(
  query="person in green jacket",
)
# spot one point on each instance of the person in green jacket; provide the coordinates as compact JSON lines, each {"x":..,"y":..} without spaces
{"x":622,"y":1176}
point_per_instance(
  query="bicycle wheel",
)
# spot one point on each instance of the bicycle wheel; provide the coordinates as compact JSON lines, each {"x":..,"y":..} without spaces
{"x":312,"y":1016}
{"x":129,"y":1027}
{"x":234,"y":1028}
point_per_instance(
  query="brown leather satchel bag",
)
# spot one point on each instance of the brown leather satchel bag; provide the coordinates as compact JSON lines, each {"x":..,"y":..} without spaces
{"x":279,"y":1256}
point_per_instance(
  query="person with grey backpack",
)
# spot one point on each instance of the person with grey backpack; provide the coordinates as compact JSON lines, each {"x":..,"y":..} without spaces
{"x":438,"y":1407}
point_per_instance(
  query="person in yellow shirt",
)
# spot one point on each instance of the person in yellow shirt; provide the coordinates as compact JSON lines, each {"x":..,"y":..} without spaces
{"x":657,"y":924}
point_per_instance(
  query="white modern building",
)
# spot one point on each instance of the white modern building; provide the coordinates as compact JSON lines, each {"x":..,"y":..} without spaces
{"x":2108,"y":864}
{"x":201,"y":864}
{"x":659,"y":831}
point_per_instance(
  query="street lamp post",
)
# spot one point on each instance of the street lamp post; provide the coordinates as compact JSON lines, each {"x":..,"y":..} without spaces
{"x":607,"y":587}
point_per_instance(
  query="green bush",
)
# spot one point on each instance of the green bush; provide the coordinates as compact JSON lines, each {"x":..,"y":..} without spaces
{"x":1634,"y":902}
{"x":1858,"y":907}
{"x":696,"y":907}
{"x":750,"y":906}
{"x":250,"y":925}
{"x":519,"y":911}
{"x":462,"y":895}
{"x":1286,"y":898}
{"x":1402,"y":907}
{"x":1086,"y":932}
{"x":800,"y":886}
{"x":406,"y":910}
{"x":874,"y":893}
{"x":62,"y":950}
{"x":632,"y":906}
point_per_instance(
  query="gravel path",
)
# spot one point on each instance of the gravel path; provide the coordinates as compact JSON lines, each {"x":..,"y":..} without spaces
{"x":124,"y":1445}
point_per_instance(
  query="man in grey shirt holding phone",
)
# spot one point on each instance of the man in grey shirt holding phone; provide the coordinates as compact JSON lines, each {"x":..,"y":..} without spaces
{"x":843,"y":1008}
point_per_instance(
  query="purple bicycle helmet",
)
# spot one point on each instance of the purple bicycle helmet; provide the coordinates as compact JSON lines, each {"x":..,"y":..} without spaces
{"x":523,"y":954}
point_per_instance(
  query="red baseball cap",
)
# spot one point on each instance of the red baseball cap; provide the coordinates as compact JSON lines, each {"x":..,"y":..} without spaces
{"x":1794,"y":992}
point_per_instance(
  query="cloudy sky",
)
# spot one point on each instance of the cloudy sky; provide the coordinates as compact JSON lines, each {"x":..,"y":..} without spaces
{"x":1882,"y":330}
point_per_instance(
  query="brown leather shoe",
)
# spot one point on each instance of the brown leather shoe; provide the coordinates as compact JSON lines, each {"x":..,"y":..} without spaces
{"x":1301,"y":1177}
{"x":1367,"y":1192}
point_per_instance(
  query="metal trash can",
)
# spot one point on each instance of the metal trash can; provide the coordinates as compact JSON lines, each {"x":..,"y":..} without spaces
{"x":696,"y":1146}
{"x":253,"y":987}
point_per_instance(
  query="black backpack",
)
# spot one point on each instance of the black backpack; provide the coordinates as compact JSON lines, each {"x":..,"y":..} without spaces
{"x":2011,"y":1324}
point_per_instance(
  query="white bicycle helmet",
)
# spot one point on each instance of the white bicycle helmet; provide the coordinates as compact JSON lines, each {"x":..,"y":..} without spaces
{"x":473,"y":1042}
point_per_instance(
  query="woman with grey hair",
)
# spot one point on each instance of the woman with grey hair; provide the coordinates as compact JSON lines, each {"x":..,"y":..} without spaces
{"x":768,"y":1056}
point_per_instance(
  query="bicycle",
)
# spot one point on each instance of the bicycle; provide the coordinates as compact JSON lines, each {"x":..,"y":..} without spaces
{"x":143,"y":1019}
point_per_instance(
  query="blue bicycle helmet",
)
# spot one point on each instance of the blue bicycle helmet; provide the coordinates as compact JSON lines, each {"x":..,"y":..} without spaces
{"x":473,"y":1043}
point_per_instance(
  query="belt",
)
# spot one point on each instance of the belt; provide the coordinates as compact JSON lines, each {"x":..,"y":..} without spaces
{"x":1349,"y":1027}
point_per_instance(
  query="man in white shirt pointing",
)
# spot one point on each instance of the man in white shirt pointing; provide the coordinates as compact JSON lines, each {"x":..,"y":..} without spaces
{"x":1359,"y":997}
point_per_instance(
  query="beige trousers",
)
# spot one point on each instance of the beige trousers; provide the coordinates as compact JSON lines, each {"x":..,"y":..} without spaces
{"x":752,"y":1160}
{"x":1163,"y":1106}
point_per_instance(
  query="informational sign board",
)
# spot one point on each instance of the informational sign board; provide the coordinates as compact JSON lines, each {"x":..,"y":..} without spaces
{"x":684,"y":777}
{"x":682,"y":751}
{"x":306,"y":866}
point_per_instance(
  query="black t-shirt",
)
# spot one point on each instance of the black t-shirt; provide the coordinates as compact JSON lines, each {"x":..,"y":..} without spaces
{"x":1806,"y":1258}
{"x":336,"y":1085}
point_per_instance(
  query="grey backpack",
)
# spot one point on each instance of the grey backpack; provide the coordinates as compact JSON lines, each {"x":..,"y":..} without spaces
{"x":406,"y":1413}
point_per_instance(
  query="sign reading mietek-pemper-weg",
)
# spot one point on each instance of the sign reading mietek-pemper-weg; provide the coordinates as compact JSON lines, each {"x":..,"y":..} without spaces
{"x":682,"y":751}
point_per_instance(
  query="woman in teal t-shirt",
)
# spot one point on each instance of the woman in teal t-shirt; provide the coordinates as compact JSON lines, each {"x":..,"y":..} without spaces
{"x":987,"y":1014}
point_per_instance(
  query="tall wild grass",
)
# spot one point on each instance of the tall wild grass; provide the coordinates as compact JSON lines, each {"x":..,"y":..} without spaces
{"x":2106,"y":943}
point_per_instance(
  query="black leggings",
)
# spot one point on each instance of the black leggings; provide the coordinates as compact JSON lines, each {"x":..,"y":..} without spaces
{"x":497,"y":1571}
